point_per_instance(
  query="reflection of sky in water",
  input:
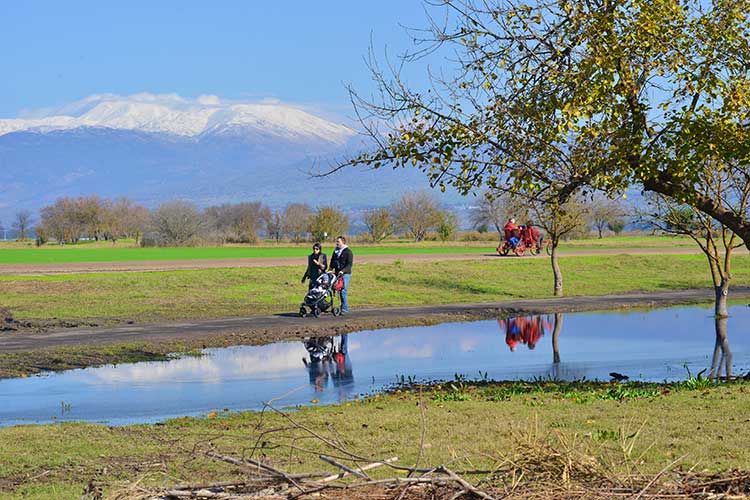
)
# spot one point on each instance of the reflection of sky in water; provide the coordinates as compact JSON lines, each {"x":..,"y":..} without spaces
{"x":650,"y":345}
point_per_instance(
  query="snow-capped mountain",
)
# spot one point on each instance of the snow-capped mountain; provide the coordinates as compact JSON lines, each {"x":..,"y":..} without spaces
{"x":154,"y":148}
{"x":172,"y":114}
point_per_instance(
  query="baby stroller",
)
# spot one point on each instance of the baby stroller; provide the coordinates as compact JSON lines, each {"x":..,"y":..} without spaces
{"x":320,"y":297}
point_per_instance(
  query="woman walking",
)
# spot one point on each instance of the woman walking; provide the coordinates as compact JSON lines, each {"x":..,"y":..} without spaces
{"x":317,"y":262}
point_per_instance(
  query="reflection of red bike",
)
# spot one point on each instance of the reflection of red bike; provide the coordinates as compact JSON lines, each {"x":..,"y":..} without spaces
{"x":523,"y":239}
{"x":525,"y":330}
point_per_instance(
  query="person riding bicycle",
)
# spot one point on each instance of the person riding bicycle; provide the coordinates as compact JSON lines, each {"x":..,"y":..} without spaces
{"x":511,"y":232}
{"x":535,"y":234}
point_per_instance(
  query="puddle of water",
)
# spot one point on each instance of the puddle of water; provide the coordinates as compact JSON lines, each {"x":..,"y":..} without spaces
{"x":651,"y":346}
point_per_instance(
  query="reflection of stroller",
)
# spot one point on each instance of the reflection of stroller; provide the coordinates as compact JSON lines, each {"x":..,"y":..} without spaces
{"x":329,"y":359}
{"x":320,"y":297}
{"x":319,"y":348}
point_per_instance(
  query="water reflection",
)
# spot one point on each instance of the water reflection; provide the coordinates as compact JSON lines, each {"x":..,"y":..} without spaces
{"x":530,"y":329}
{"x":556,"y":338}
{"x":644,"y":345}
{"x":722,"y":358}
{"x":329,"y":359}
{"x":524,"y":330}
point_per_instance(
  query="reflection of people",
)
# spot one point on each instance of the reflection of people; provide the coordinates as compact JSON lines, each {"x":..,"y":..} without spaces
{"x":329,"y":359}
{"x":341,"y":264}
{"x":319,"y":349}
{"x":524,"y":329}
{"x":342,"y":375}
{"x":317,"y":262}
{"x":318,"y":371}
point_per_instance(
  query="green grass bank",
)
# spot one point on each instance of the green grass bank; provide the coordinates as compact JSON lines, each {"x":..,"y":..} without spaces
{"x":107,"y":298}
{"x":526,"y":431}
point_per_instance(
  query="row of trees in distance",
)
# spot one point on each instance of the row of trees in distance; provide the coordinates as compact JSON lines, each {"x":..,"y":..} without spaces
{"x":417,"y":215}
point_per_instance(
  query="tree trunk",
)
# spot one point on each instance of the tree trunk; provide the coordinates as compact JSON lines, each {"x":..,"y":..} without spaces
{"x":555,"y":337}
{"x":556,"y":269}
{"x":720,"y":306}
{"x":666,"y":184}
{"x":722,"y":358}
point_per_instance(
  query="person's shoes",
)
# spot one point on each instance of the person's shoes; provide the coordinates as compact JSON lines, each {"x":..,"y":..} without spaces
{"x":346,"y":311}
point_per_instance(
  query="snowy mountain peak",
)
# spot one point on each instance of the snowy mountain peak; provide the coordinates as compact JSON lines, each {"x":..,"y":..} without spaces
{"x":172,"y":114}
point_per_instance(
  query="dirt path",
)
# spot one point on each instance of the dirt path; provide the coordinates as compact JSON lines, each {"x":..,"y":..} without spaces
{"x":270,"y":328}
{"x":176,"y":265}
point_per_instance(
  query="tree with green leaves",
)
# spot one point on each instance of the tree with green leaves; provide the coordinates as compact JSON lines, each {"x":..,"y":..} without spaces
{"x":447,"y":225}
{"x":614,"y":92}
{"x":328,"y":222}
{"x":558,"y":221}
{"x":731,"y":186}
{"x":379,"y":224}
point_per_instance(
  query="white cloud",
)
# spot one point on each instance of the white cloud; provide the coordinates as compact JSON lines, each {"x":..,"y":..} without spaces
{"x":209,"y":100}
{"x":270,"y":101}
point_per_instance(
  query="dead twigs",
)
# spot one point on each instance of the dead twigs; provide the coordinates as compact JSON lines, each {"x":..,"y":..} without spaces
{"x":540,"y":465}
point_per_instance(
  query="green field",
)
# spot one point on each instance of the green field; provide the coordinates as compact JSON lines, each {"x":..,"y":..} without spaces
{"x":12,"y":253}
{"x":212,"y":293}
{"x":102,"y":254}
{"x":545,"y":435}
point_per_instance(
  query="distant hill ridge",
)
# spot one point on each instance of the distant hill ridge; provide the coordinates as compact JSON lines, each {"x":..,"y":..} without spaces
{"x":154,"y":148}
{"x":173,"y":114}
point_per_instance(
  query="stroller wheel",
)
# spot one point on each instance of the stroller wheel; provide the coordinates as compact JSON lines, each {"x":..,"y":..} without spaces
{"x":316,"y":312}
{"x":336,"y":311}
{"x":302,"y":312}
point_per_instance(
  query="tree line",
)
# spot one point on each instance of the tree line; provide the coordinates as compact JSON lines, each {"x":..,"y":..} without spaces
{"x":181,"y":223}
{"x":417,"y":215}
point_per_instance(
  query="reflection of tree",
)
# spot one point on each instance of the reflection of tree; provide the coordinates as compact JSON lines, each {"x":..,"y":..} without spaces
{"x":555,"y":337}
{"x":524,"y":330}
{"x":722,"y":359}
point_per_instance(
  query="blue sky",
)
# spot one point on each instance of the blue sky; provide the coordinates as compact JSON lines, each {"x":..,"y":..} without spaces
{"x":297,"y":51}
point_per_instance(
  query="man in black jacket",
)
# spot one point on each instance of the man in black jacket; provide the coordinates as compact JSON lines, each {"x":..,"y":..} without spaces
{"x":341,"y":264}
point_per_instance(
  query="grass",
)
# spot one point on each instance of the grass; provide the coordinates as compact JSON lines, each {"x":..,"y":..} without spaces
{"x":642,"y":429}
{"x":23,"y":253}
{"x":212,"y":293}
{"x":231,"y":292}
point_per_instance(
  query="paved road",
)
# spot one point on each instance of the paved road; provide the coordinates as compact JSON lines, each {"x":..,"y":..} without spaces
{"x":175,"y":265}
{"x":269,"y":328}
